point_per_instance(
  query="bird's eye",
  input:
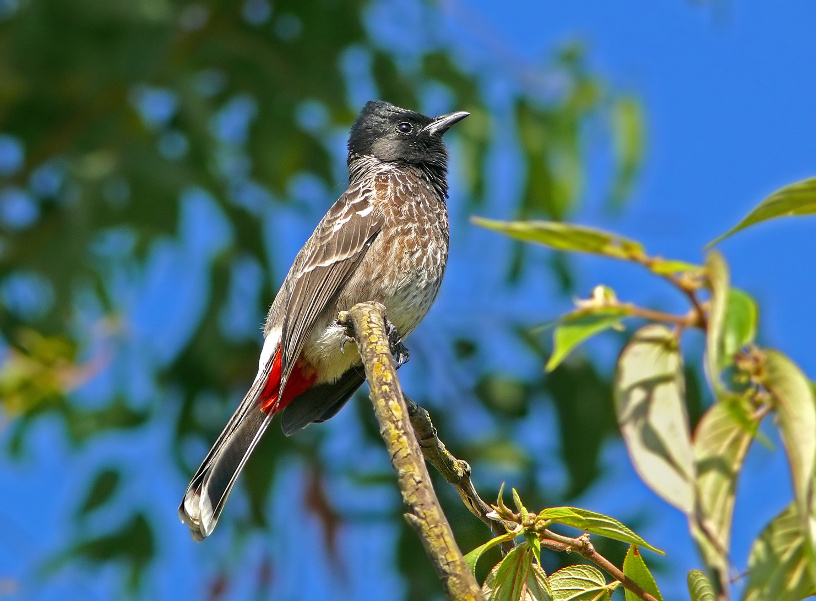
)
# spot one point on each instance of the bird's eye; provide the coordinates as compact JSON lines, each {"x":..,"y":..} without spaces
{"x":404,"y":128}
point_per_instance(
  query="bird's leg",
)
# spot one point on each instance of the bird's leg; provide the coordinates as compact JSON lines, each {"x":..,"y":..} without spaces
{"x":398,"y":349}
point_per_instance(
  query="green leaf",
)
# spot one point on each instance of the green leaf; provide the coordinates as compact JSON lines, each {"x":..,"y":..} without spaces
{"x":595,"y":523}
{"x":662,"y":266}
{"x":517,"y":578}
{"x":473,"y":557}
{"x":635,"y":568}
{"x":566,"y":236}
{"x":577,"y":327}
{"x":721,"y":442}
{"x":519,"y":506}
{"x":739,"y":330}
{"x":797,"y":422}
{"x":718,"y":281}
{"x":102,"y":489}
{"x":732,"y":319}
{"x":649,"y":402}
{"x":628,"y":136}
{"x":534,"y":544}
{"x":579,"y":583}
{"x":794,"y":199}
{"x":780,"y":564}
{"x":700,"y":587}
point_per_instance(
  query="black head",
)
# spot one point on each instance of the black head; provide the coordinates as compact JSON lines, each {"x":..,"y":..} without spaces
{"x":389,"y":133}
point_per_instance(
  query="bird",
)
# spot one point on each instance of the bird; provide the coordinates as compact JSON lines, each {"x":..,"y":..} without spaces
{"x":386,"y":240}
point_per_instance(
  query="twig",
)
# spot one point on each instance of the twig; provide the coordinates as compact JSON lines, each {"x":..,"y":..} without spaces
{"x":582,"y":544}
{"x":425,"y":514}
{"x":691,"y":319}
{"x":687,"y":286}
{"x":455,"y":471}
{"x":567,"y":544}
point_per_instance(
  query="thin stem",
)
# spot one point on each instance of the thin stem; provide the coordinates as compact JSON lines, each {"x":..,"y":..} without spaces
{"x":582,"y":545}
{"x":687,"y":288}
{"x":691,"y":319}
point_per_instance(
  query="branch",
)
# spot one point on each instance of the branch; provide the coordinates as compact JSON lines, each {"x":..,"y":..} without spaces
{"x":455,"y":471}
{"x":425,"y":514}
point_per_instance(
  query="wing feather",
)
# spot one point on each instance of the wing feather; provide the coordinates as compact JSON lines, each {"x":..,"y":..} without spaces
{"x":324,"y":266}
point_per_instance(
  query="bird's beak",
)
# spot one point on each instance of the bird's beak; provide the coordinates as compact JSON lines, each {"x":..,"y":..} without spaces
{"x":440,"y":125}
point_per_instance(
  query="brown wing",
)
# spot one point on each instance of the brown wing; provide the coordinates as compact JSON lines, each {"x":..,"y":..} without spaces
{"x":324,"y":265}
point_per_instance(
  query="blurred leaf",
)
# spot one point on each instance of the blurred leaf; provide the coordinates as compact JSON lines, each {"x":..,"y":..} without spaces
{"x":696,"y":404}
{"x":797,"y":422}
{"x":635,"y":568}
{"x":517,"y":578}
{"x":700,"y":587}
{"x":41,"y":370}
{"x":506,"y":395}
{"x":576,"y":327}
{"x":720,"y":445}
{"x":464,"y":348}
{"x":83,"y":424}
{"x":628,"y":131}
{"x":541,"y":193}
{"x":498,"y":450}
{"x":103,"y":488}
{"x":649,"y":393}
{"x":595,"y":523}
{"x":662,"y":266}
{"x":579,"y":583}
{"x":719,"y":282}
{"x":793,"y":199}
{"x":132,"y":544}
{"x":741,"y":318}
{"x":583,"y":400}
{"x":780,"y":566}
{"x":567,"y":237}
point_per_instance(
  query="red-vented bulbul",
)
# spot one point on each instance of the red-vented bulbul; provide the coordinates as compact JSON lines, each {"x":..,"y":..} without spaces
{"x":385,"y":240}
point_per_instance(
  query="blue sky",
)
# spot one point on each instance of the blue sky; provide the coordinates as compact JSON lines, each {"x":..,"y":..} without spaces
{"x":729,"y":94}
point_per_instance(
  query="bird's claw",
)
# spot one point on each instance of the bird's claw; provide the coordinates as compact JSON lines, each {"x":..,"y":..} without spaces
{"x":348,"y":330}
{"x":398,"y":349}
{"x":346,"y":340}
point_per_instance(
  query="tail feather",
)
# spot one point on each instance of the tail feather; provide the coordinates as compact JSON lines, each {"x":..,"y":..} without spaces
{"x":214,"y":479}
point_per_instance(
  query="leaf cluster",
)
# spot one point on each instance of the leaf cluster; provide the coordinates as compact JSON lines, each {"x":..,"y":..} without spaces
{"x":697,"y":472}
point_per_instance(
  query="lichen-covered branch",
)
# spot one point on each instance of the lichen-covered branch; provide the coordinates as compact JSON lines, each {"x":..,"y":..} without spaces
{"x":424,"y":513}
{"x":455,"y":471}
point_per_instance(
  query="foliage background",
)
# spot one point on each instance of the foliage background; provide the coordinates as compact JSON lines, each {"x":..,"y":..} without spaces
{"x":162,"y":162}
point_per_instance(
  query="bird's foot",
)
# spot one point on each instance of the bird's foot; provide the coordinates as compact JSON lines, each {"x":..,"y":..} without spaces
{"x":344,"y":321}
{"x":398,"y":349}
